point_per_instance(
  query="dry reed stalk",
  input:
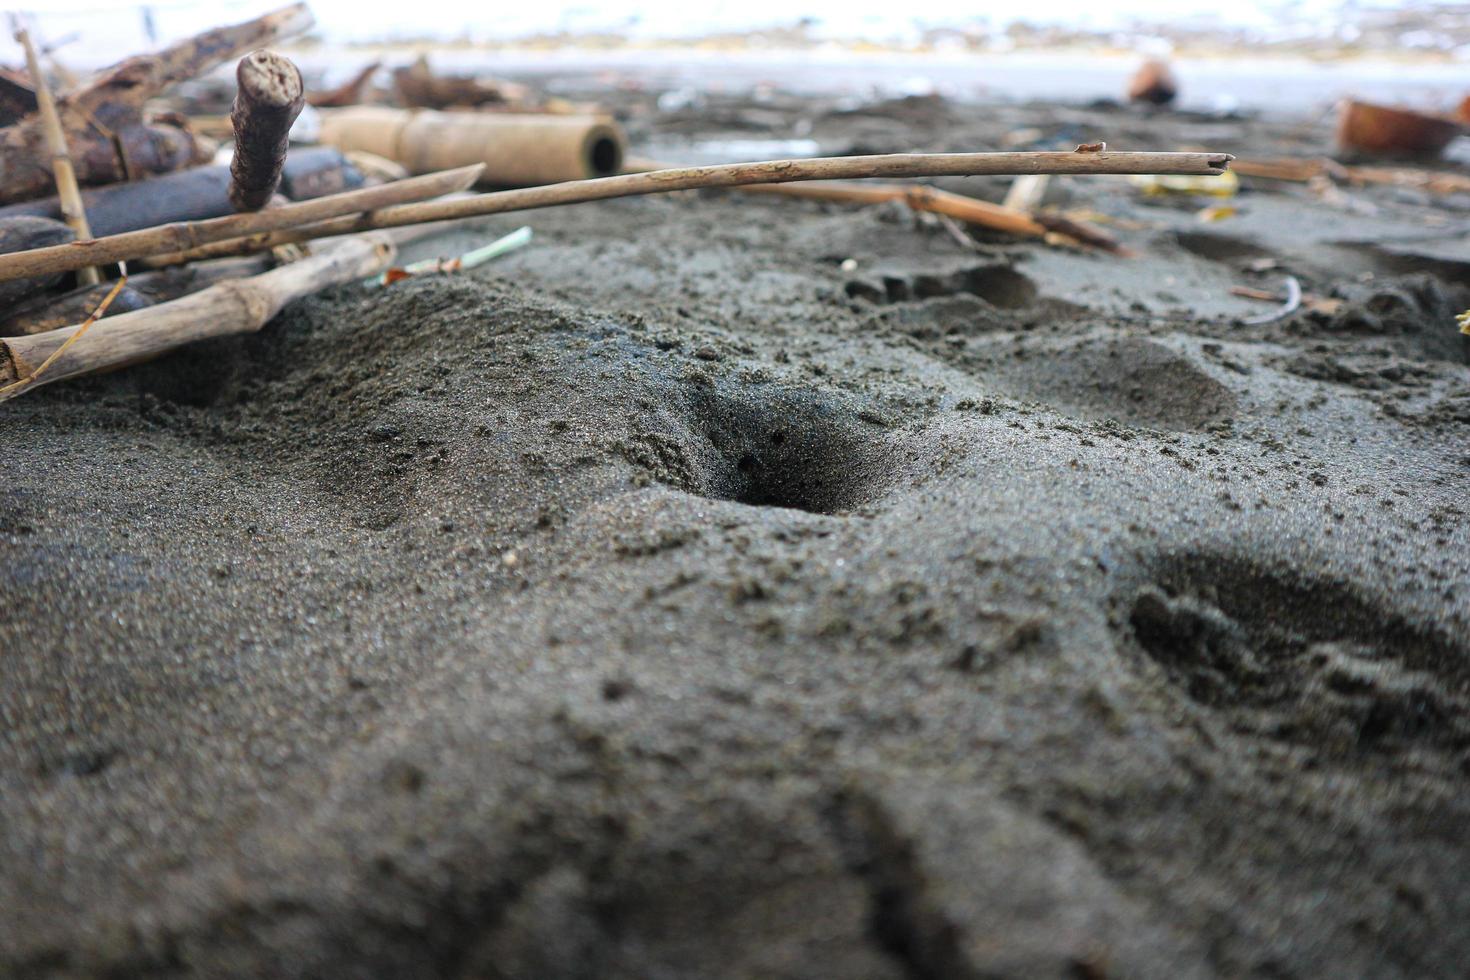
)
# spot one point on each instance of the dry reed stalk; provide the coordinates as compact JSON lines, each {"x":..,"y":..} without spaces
{"x":897,"y":165}
{"x":27,"y":377}
{"x":73,"y":212}
{"x":187,"y":235}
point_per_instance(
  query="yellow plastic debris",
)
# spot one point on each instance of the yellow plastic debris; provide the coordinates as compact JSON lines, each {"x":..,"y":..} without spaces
{"x":1223,"y":185}
{"x":1464,"y":321}
{"x":1217,"y":213}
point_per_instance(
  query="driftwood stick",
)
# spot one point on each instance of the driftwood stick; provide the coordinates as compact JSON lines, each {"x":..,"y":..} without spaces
{"x":1302,"y":171}
{"x":194,"y":194}
{"x":103,"y":119}
{"x":17,"y":96}
{"x":348,"y":93}
{"x":138,"y":79}
{"x":67,"y":192}
{"x":192,"y":234}
{"x":1008,"y":217}
{"x":23,"y":233}
{"x":269,"y":97}
{"x":730,"y":175}
{"x":43,"y":313}
{"x":232,"y":307}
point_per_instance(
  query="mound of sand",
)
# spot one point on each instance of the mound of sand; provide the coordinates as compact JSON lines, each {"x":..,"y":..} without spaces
{"x":668,"y":600}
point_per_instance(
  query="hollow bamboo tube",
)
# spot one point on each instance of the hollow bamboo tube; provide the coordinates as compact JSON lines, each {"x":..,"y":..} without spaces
{"x":517,"y":150}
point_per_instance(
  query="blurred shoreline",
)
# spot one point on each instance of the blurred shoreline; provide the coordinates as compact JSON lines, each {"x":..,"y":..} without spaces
{"x":1276,"y":85}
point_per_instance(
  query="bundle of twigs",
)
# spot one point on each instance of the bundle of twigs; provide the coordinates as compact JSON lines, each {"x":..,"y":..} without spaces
{"x":246,"y":304}
{"x":243,"y":234}
{"x":103,"y":120}
{"x":231,"y":307}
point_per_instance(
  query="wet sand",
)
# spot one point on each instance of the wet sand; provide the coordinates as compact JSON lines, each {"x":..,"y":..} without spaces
{"x":735,"y":586}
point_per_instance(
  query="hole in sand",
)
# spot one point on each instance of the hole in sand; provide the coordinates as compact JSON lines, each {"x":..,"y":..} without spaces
{"x":1297,"y":658}
{"x":999,"y":285}
{"x":792,"y":449}
{"x":1220,"y":248}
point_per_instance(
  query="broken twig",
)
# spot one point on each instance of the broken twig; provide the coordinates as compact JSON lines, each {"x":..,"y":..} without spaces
{"x":348,"y":93}
{"x":269,"y":97}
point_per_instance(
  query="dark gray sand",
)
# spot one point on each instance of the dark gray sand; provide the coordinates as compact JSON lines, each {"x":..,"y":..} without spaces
{"x":668,"y":601}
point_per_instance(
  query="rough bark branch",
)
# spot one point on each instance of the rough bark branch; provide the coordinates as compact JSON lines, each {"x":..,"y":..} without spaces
{"x":103,"y":119}
{"x":232,"y":307}
{"x":269,"y":97}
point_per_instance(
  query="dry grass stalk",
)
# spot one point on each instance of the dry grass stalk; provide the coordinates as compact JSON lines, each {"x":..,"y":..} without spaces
{"x":73,"y":212}
{"x":186,"y":235}
{"x":27,"y":377}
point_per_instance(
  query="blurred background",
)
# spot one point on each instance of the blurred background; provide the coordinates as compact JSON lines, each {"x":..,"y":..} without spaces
{"x":1262,"y":56}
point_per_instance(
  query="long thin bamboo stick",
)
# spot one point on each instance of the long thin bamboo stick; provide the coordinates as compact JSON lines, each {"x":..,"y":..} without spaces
{"x":1298,"y":170}
{"x":895,"y":165}
{"x":68,"y":194}
{"x":232,"y":307}
{"x":192,"y":234}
